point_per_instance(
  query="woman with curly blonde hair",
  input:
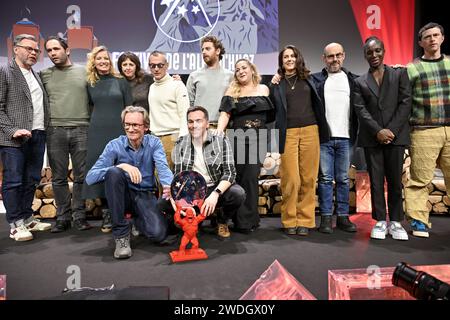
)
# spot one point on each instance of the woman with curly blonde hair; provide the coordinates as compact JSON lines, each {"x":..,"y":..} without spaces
{"x":246,"y":107}
{"x":109,"y":94}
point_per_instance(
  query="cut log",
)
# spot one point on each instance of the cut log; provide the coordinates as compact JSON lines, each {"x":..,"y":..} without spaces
{"x":352,"y":172}
{"x":262,"y":210}
{"x":446,"y":200}
{"x":37,"y":203}
{"x":262,"y":201}
{"x":430,"y":188}
{"x":39,"y":194}
{"x":440,"y":207}
{"x":47,"y":211}
{"x":275,"y":156}
{"x":434,"y":199}
{"x":267,"y":184}
{"x":263,"y":172}
{"x":48,"y":191}
{"x":439,"y":185}
{"x":48,"y":201}
{"x":276,"y":209}
{"x":269,"y":163}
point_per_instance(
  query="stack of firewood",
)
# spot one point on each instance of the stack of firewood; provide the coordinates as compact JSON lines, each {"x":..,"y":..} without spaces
{"x":269,"y":201}
{"x":44,"y":205}
{"x":438,"y":200}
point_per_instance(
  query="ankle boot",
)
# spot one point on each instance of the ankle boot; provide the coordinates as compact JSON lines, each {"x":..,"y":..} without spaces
{"x":326,"y":224}
{"x":344,"y":223}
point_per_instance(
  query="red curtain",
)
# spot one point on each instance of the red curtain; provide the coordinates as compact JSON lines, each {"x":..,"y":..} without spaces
{"x":390,"y":20}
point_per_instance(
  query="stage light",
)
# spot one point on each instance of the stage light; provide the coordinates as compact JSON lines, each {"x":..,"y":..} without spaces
{"x":420,"y":284}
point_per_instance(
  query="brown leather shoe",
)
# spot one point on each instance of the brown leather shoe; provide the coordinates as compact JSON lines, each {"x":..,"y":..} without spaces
{"x":222,"y":231}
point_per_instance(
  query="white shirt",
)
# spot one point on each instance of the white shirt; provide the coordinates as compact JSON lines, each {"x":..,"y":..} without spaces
{"x":337,"y":104}
{"x":200,"y":165}
{"x":37,"y":98}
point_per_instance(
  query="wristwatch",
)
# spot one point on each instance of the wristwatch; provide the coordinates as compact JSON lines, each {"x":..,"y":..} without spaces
{"x":218,"y":191}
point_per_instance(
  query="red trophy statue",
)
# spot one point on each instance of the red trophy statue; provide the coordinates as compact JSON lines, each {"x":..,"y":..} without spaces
{"x":188,"y":190}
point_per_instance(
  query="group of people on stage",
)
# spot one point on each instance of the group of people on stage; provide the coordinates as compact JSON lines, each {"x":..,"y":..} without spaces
{"x":81,"y":113}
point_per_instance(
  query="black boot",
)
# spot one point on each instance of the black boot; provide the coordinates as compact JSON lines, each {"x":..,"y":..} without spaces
{"x":326,"y":224}
{"x":344,"y":223}
{"x":107,"y":223}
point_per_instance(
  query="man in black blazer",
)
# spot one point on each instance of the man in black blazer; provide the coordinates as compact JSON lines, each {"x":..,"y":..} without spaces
{"x":23,"y":120}
{"x":383,"y":105}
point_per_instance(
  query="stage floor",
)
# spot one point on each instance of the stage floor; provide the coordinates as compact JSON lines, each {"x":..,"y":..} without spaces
{"x":37,"y":269}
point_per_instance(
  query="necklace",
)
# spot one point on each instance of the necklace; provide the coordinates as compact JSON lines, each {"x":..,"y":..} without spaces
{"x":290,"y":84}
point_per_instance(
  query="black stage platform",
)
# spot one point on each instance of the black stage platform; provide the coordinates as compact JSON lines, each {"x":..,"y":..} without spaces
{"x":37,"y":269}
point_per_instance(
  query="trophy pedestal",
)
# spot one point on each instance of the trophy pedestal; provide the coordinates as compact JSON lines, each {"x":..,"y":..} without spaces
{"x":188,"y":255}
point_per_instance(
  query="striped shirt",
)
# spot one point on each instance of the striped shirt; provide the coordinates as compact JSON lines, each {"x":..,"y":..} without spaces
{"x":217,"y":154}
{"x":430,"y":82}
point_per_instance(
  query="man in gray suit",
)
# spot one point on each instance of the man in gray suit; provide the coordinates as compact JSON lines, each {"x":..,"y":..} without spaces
{"x":23,"y":119}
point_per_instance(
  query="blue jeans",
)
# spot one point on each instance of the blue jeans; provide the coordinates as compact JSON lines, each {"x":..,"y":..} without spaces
{"x":62,"y":142}
{"x":21,"y":174}
{"x":334,"y":165}
{"x":149,"y":220}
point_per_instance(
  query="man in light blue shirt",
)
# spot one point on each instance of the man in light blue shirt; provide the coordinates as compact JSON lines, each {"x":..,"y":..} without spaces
{"x":127,"y":167}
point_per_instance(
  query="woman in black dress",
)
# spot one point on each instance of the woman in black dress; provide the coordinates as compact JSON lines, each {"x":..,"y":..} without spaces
{"x":247,"y":109}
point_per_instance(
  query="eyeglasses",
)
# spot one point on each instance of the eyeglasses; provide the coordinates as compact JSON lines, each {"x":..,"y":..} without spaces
{"x":154,"y":65}
{"x":30,"y":49}
{"x":337,"y":55}
{"x":132,"y":125}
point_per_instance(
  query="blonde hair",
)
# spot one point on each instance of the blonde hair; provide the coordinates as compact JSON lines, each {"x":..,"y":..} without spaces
{"x":235,"y":86}
{"x":92,"y":73}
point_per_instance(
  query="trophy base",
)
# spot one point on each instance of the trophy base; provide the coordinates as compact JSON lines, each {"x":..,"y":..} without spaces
{"x":188,"y":255}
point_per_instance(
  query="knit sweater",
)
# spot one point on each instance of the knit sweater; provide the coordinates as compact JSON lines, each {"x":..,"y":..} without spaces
{"x":430,"y":82}
{"x":68,"y":96}
{"x":168,"y":100}
{"x":206,"y":87}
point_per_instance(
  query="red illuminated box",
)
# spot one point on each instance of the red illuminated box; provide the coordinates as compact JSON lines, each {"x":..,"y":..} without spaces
{"x":276,"y":283}
{"x":2,"y":287}
{"x":375,"y":283}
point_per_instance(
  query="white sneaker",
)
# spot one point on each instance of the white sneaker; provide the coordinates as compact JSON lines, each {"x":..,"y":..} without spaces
{"x":379,"y":231}
{"x":20,"y":233}
{"x":34,"y":224}
{"x":396,"y":231}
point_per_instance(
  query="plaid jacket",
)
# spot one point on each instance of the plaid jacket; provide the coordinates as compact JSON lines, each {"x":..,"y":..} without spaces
{"x":217,"y":153}
{"x":16,"y":107}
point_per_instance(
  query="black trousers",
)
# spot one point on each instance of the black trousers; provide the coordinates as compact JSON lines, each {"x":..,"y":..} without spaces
{"x":229,"y":202}
{"x":247,"y":173}
{"x":386,"y":162}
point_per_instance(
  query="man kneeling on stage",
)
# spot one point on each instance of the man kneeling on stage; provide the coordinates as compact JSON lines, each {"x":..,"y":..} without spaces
{"x":127,"y":168}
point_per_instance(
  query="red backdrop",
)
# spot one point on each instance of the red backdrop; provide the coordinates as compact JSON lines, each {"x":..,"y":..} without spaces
{"x":390,"y":20}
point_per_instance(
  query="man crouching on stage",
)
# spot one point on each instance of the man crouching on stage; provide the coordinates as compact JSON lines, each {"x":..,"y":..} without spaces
{"x":127,"y":168}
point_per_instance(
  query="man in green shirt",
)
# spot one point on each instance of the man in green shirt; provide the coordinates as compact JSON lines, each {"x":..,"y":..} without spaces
{"x":430,"y":122}
{"x":67,"y":134}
